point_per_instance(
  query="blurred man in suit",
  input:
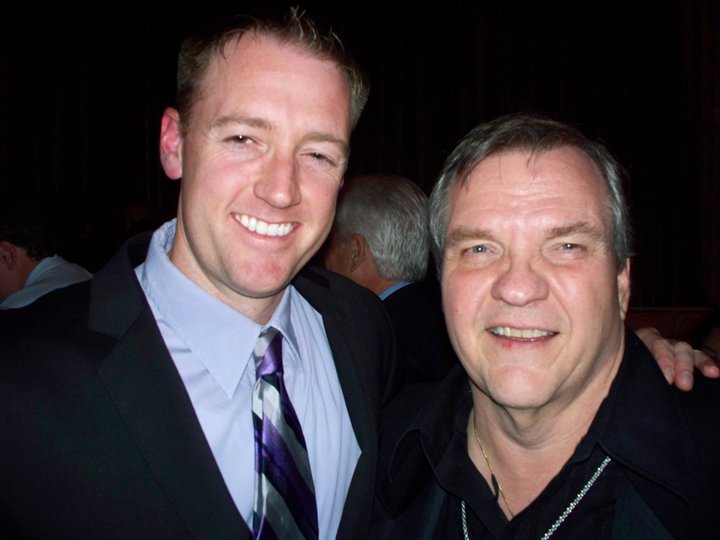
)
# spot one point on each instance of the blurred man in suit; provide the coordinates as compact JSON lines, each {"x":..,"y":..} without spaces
{"x":30,"y":266}
{"x":380,"y":239}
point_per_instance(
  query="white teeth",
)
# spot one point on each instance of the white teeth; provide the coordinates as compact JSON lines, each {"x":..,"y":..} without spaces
{"x":264,"y":228}
{"x":523,"y":333}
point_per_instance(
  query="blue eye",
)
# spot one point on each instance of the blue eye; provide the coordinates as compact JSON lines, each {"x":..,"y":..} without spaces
{"x":240,"y":139}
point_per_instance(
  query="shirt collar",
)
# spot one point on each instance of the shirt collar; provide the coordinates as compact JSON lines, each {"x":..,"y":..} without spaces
{"x":43,"y":266}
{"x":221,"y":338}
{"x":395,"y":287}
{"x":638,"y":414}
{"x":434,"y":427}
{"x":638,"y":423}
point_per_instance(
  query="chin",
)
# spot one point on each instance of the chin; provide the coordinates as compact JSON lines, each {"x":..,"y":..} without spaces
{"x":265,"y":290}
{"x":519,"y":391}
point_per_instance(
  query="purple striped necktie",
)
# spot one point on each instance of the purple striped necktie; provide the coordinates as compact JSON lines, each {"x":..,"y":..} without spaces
{"x":284,"y":506}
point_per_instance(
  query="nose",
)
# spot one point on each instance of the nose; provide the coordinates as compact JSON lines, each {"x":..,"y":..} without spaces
{"x":520,"y":283}
{"x":278,"y":185}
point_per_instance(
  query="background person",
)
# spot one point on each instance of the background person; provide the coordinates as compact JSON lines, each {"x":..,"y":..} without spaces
{"x":380,"y":240}
{"x":29,"y":264}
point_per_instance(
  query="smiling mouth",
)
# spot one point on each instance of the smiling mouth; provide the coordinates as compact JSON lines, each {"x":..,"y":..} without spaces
{"x":264,"y":228}
{"x":520,"y":333}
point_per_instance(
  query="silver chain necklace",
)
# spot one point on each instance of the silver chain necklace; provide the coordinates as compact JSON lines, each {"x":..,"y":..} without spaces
{"x":562,"y":517}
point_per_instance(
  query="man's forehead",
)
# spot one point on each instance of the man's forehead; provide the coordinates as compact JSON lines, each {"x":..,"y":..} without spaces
{"x":520,"y":171}
{"x":524,"y":181}
{"x":288,"y":70}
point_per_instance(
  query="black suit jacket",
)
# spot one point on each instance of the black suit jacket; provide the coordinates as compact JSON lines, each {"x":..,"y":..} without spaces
{"x":99,"y":437}
{"x":423,"y":346}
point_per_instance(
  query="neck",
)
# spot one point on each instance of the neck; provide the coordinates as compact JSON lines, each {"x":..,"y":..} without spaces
{"x":526,"y":449}
{"x":378,"y":284}
{"x":25,"y":267}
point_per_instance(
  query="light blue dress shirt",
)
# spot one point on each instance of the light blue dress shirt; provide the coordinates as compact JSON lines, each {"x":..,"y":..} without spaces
{"x":50,"y":274}
{"x":211,"y":345}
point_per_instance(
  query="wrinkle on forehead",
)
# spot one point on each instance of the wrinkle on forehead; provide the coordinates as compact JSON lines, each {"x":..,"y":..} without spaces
{"x":522,"y":178}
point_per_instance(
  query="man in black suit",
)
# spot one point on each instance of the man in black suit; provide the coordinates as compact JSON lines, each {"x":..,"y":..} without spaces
{"x":126,"y":401}
{"x":380,"y":240}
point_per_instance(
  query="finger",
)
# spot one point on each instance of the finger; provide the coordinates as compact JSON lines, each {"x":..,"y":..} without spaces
{"x":706,"y":364}
{"x":661,"y":349}
{"x":684,"y":365}
{"x":667,"y":359}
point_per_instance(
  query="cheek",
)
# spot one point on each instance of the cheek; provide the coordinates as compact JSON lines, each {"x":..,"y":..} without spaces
{"x":589,"y":299}
{"x":320,"y":200}
{"x":463,"y":290}
{"x":460,"y":304}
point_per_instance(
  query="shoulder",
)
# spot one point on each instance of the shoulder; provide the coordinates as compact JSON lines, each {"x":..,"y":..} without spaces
{"x":50,"y":316}
{"x":335,"y":296}
{"x":46,"y":346}
{"x":643,"y":385}
{"x":429,"y":408}
{"x":667,"y":440}
{"x":418,"y":434}
{"x":77,"y":322}
{"x":410,"y":293}
{"x":400,"y":433}
{"x":699,"y":408}
{"x":313,"y":281}
{"x":358,"y":328}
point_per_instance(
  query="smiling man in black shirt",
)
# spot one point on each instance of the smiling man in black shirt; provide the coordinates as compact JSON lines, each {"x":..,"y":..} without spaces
{"x":558,"y":423}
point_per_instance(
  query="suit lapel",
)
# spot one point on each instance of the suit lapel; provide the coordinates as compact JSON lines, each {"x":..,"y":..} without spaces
{"x":348,"y":355}
{"x":141,"y":378}
{"x":353,"y":366}
{"x":352,"y":381}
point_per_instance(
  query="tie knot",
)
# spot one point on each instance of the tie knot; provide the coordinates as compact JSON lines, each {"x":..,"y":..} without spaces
{"x":268,"y":353}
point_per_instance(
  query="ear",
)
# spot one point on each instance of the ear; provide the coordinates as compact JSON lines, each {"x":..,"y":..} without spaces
{"x":171,"y":143}
{"x":623,"y":285}
{"x":8,"y":255}
{"x":358,"y":251}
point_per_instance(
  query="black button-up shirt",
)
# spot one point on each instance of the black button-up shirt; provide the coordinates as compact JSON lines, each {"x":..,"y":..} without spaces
{"x":662,"y":480}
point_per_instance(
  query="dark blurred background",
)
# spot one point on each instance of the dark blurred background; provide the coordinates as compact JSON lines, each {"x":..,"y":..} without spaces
{"x":82,"y":90}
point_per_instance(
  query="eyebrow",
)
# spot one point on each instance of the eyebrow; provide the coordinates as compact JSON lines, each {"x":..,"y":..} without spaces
{"x":251,"y":121}
{"x":580,"y":227}
{"x":319,"y":136}
{"x":462,"y":234}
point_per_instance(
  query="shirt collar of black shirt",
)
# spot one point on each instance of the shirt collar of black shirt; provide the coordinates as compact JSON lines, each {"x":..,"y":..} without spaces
{"x":435,"y":444}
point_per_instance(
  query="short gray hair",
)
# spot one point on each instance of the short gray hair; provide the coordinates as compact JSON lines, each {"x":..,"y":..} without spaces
{"x":390,"y":212}
{"x":535,"y":134}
